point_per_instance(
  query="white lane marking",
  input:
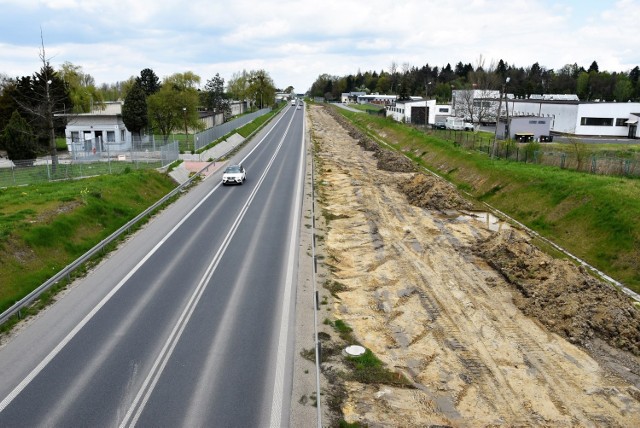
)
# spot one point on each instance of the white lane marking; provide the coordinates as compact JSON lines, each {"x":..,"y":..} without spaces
{"x":56,"y":350}
{"x":278,"y":387}
{"x":135,"y":411}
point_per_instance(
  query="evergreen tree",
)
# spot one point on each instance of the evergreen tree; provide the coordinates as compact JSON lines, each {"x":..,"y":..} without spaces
{"x":18,"y":139}
{"x":134,"y":110}
{"x":214,"y":97}
{"x":149,"y":82}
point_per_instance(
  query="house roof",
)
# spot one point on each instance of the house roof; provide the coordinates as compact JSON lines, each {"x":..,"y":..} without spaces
{"x":108,"y":108}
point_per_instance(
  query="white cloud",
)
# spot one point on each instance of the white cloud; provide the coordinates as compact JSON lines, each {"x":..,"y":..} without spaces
{"x":297,"y":40}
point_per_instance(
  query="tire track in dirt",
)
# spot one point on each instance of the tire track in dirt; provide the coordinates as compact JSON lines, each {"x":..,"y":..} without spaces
{"x":420,"y":298}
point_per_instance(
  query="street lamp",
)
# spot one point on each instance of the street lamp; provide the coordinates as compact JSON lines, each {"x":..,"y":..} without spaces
{"x":186,"y":133}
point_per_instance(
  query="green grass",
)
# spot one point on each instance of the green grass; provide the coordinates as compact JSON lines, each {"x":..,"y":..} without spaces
{"x":249,"y":128}
{"x":595,"y":217}
{"x":44,"y":227}
{"x":42,"y":173}
{"x":367,"y":368}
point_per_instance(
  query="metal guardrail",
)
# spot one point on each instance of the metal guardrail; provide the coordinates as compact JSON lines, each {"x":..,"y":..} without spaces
{"x":67,"y":270}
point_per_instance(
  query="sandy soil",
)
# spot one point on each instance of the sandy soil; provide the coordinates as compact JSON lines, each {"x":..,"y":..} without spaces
{"x":489,"y":330}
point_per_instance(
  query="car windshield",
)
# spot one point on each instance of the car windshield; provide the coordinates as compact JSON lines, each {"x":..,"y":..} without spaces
{"x":232,"y":169}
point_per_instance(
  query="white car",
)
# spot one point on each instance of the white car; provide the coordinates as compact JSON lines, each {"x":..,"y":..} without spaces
{"x":234,"y":174}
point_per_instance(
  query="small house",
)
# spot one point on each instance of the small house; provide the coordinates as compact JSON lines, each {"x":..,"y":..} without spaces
{"x":100,"y":131}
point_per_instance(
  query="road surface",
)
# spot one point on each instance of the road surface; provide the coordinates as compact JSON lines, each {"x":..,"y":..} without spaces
{"x":188,"y":322}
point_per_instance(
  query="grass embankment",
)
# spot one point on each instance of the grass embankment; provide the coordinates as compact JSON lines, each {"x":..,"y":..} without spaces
{"x":597,"y":218}
{"x":44,"y":227}
{"x":257,"y":123}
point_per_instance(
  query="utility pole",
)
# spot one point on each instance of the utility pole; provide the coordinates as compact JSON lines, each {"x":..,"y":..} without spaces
{"x":52,"y":135}
{"x":186,"y":132}
{"x":495,"y":135}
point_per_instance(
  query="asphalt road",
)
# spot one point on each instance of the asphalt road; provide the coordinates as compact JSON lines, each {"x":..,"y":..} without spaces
{"x":188,"y":323}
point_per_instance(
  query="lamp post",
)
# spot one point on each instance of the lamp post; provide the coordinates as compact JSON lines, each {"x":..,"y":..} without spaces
{"x":52,"y":136}
{"x":495,"y":135}
{"x":186,"y":133}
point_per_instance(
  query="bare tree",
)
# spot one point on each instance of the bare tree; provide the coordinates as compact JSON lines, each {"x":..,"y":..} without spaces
{"x":393,"y":74}
{"x":39,"y":96}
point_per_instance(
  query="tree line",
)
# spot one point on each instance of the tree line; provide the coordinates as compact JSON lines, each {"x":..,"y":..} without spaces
{"x":34,"y":109}
{"x":589,"y":84}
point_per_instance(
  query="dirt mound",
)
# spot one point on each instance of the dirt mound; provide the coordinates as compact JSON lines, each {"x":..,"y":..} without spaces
{"x":562,"y":296}
{"x":428,"y":192}
{"x":388,"y":160}
{"x":393,"y":162}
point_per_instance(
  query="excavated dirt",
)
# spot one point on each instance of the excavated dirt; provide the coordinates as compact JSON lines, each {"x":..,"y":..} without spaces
{"x":488,"y":329}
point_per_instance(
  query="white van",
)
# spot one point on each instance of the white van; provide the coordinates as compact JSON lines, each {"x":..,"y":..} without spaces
{"x":455,"y":123}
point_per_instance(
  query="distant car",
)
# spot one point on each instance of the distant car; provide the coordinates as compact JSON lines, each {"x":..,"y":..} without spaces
{"x":234,"y":174}
{"x":299,"y":106}
{"x":468,"y":126}
{"x":440,"y":125}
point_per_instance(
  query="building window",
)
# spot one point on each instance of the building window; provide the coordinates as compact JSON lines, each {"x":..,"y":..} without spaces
{"x":596,"y":121}
{"x":111,"y":137}
{"x":443,"y":110}
{"x":621,"y":122}
{"x":533,"y":122}
{"x":75,"y":136}
{"x":542,"y":122}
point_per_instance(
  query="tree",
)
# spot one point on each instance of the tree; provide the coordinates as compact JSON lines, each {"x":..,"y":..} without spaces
{"x":322,"y":85}
{"x":237,"y":85}
{"x":393,"y":76}
{"x":214,"y":96}
{"x":623,"y":90}
{"x":261,"y":88}
{"x":175,"y":105}
{"x":8,"y":104}
{"x":134,"y":110}
{"x":17,"y":139}
{"x":39,"y":99}
{"x":593,"y":67}
{"x":149,"y":82}
{"x":582,"y":86}
{"x":81,"y":88}
{"x":183,"y":81}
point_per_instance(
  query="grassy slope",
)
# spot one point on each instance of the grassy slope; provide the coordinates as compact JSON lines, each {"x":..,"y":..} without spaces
{"x":44,"y":227}
{"x":596,"y":218}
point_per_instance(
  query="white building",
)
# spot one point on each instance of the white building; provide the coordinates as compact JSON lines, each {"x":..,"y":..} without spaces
{"x":413,"y":111}
{"x":384,"y":100}
{"x":350,"y":97}
{"x":102,"y":130}
{"x":604,"y":119}
{"x":475,"y":105}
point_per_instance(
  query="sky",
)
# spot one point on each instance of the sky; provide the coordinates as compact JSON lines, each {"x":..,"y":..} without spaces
{"x":295,"y":41}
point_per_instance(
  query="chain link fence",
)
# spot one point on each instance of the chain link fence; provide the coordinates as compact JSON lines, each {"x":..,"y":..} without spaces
{"x":579,"y":159}
{"x":89,"y":158}
{"x":206,"y":137}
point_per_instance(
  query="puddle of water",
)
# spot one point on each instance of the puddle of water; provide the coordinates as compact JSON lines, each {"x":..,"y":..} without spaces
{"x":490,"y":221}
